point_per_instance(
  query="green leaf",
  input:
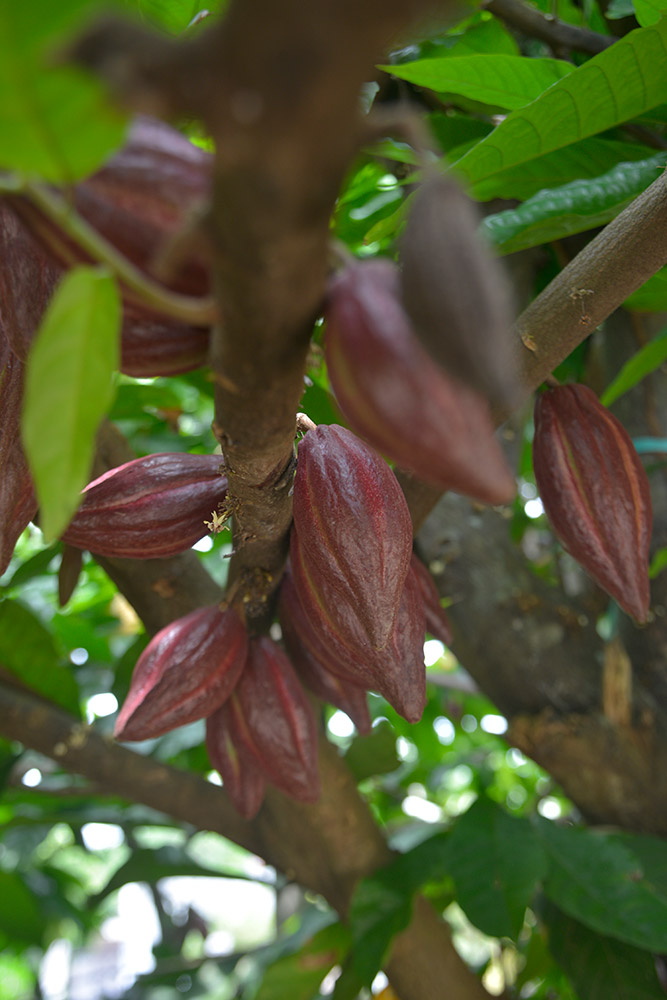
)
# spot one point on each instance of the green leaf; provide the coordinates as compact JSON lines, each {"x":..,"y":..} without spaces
{"x":658,"y":563}
{"x":597,"y":880}
{"x":652,"y":296}
{"x":646,"y":360}
{"x":55,"y":121}
{"x":588,"y":158}
{"x":175,"y":15}
{"x":652,"y":853}
{"x":649,"y":11}
{"x":28,"y":652}
{"x":69,"y":388}
{"x":20,"y":915}
{"x":573,"y":208}
{"x":497,"y":862}
{"x":373,"y":754}
{"x":601,"y":967}
{"x":627,"y":79}
{"x":299,"y":975}
{"x":500,"y":80}
{"x":16,"y":978}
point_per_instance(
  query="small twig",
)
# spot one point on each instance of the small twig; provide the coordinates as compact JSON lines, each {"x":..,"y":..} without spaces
{"x":547,"y":28}
{"x":197,"y":311}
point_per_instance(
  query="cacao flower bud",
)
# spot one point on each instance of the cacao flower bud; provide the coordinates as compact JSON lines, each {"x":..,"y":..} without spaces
{"x":18,"y":505}
{"x":437,"y":622}
{"x":150,"y":507}
{"x":187,"y":671}
{"x":276,"y":724}
{"x":315,"y":674}
{"x":455,"y":292}
{"x":354,"y":530}
{"x":396,"y":670}
{"x":393,"y":394}
{"x":242,"y":777}
{"x":595,"y":492}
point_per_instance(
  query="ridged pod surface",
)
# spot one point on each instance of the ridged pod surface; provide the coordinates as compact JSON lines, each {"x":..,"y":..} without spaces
{"x":396,"y":397}
{"x":315,"y":672}
{"x":18,"y":505}
{"x":354,"y":530}
{"x":595,"y":492}
{"x":276,"y":724}
{"x":396,"y":671}
{"x":437,"y":622}
{"x":150,"y":507}
{"x":242,"y":776}
{"x":187,"y":671}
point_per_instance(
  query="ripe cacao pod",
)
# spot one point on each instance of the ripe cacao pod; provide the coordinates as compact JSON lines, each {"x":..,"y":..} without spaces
{"x":393,"y":394}
{"x":437,"y":622}
{"x":18,"y":505}
{"x":396,"y":670}
{"x":315,"y":673}
{"x":275,"y":722}
{"x":151,"y":345}
{"x":187,"y":671}
{"x":150,"y":507}
{"x":595,"y":492}
{"x":455,"y":292}
{"x":354,"y":530}
{"x":242,"y":776}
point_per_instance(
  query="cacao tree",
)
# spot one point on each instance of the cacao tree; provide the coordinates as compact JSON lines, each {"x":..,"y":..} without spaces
{"x":248,"y":305}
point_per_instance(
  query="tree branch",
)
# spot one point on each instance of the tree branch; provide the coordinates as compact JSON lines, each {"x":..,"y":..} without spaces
{"x":548,"y":28}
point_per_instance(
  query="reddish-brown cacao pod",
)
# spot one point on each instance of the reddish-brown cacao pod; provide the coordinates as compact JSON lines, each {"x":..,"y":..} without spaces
{"x":316,"y":674}
{"x":150,"y":507}
{"x":595,"y":492}
{"x":18,"y":505}
{"x":396,"y":670}
{"x":275,"y":722}
{"x":394,"y":395}
{"x":354,"y":529}
{"x":187,"y":671}
{"x":437,"y":622}
{"x":242,"y":776}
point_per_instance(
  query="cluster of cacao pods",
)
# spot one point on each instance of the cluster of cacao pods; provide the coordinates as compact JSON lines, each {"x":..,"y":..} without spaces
{"x":595,"y":492}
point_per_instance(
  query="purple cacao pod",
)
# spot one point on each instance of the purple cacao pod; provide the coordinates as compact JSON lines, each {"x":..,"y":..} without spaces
{"x":354,"y":529}
{"x":18,"y":505}
{"x":150,"y":507}
{"x":396,"y":397}
{"x":316,"y":674}
{"x":242,"y":776}
{"x":595,"y":492}
{"x":187,"y":671}
{"x":437,"y":622}
{"x":275,"y":721}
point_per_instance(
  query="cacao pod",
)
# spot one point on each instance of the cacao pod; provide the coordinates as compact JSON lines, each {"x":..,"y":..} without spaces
{"x":242,"y":777}
{"x":18,"y":505}
{"x":393,"y":394}
{"x":396,"y":670}
{"x":151,"y":345}
{"x":187,"y":671}
{"x":275,"y":722}
{"x":437,"y":622}
{"x":354,"y":530}
{"x":595,"y":492}
{"x":315,"y":674}
{"x":150,"y":507}
{"x":455,"y":292}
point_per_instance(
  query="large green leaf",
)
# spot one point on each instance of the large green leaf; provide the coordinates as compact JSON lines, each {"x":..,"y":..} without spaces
{"x":652,"y":296}
{"x":55,"y":121}
{"x":646,"y":360}
{"x":20,"y":915}
{"x":575,"y":207}
{"x":27,"y":651}
{"x":600,"y":882}
{"x":620,"y":83}
{"x":649,"y":11}
{"x":503,"y":81}
{"x":497,"y":862}
{"x":69,"y":388}
{"x":600,"y":967}
{"x":299,"y":975}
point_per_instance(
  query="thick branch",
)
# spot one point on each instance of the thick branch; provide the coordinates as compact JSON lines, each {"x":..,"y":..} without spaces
{"x":549,"y":29}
